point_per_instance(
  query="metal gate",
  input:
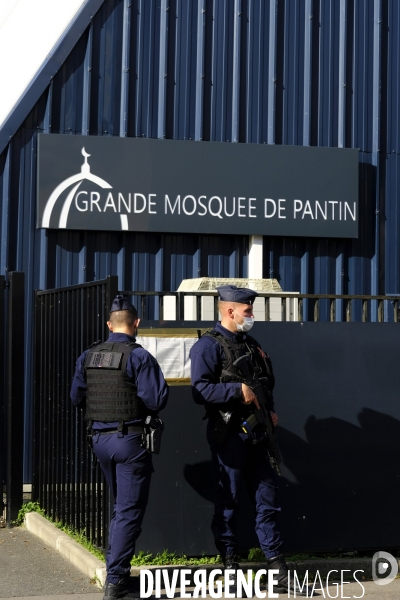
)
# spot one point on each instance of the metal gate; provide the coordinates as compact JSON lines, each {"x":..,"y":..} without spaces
{"x":2,"y":394}
{"x":342,"y":373}
{"x":66,"y":485}
{"x":12,"y":373}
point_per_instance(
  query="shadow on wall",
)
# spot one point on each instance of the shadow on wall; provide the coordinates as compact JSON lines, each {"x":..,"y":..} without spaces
{"x":340,"y":489}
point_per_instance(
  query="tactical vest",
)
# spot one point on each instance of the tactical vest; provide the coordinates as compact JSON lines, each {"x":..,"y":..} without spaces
{"x":110,"y":396}
{"x":235,"y":348}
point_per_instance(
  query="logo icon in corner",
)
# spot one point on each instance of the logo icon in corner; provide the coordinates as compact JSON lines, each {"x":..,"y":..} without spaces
{"x":84,"y":174}
{"x":384,"y":568}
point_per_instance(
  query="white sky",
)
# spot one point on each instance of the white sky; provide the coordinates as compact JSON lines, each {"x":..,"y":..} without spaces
{"x":29,"y":29}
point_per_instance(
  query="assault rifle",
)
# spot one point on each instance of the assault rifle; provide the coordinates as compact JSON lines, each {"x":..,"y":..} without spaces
{"x":258,"y":425}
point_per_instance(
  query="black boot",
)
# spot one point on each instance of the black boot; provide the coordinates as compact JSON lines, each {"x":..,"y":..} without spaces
{"x":284,"y":585}
{"x":125,"y":588}
{"x":115,"y":590}
{"x":231,"y":563}
{"x":133,"y":587}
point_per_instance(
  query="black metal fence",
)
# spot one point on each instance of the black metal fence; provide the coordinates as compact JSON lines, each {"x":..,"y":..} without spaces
{"x":12,"y":304}
{"x":283,"y":306}
{"x":15,"y":377}
{"x":67,"y":321}
{"x":2,"y":394}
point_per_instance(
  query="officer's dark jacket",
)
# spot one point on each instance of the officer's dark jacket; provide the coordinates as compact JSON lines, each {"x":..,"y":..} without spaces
{"x":142,"y":369}
{"x":207,"y":361}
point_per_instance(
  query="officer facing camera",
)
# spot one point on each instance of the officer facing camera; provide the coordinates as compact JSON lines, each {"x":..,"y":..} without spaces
{"x":233,"y":378}
{"x":121,"y":388}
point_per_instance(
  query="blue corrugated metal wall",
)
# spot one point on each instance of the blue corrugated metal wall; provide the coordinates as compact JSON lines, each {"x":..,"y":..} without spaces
{"x":305,"y":72}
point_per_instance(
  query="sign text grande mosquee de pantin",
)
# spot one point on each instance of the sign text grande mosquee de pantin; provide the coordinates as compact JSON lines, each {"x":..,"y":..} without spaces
{"x":136,"y":184}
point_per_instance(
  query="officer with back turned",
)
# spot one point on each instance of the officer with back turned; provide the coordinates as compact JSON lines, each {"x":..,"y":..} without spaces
{"x":121,"y":388}
{"x":237,"y":457}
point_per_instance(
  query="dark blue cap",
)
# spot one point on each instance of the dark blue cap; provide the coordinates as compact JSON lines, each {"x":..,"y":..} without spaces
{"x":231,"y":293}
{"x":121,"y":303}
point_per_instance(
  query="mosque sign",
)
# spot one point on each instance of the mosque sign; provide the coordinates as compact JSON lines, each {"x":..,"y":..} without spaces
{"x":136,"y":184}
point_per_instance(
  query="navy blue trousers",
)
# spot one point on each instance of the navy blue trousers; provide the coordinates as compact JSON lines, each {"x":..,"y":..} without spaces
{"x":238,"y":463}
{"x":127,"y":468}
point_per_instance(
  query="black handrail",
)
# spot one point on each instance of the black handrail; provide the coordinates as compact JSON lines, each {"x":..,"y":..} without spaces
{"x":309,"y":305}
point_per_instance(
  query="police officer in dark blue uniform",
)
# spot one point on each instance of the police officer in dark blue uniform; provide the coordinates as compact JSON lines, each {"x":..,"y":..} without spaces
{"x":119,"y":384}
{"x":236,"y":460}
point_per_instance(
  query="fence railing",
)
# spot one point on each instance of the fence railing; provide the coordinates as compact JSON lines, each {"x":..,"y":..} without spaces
{"x":285,"y":306}
{"x":3,"y":452}
{"x":66,"y":485}
{"x":12,"y":377}
{"x":15,"y":376}
{"x":68,"y":320}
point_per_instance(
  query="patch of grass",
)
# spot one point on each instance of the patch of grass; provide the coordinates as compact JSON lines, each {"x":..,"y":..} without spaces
{"x":171,"y":558}
{"x":296,"y":557}
{"x":255,"y":555}
{"x":80,"y":537}
{"x":165,"y":557}
{"x":27,"y":508}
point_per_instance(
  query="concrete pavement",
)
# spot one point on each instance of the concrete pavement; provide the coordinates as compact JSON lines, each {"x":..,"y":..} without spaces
{"x":371,"y":592}
{"x":41,"y":565}
{"x":30,"y":567}
{"x":57,"y":597}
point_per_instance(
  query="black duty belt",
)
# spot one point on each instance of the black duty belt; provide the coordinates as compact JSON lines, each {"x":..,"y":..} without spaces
{"x":126,"y":429}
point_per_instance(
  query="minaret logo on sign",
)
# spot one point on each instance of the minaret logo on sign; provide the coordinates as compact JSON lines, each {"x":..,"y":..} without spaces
{"x":85,"y":174}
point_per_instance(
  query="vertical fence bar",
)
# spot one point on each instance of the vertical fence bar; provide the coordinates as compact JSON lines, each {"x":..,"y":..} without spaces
{"x":2,"y":393}
{"x":198,"y":308}
{"x":104,"y":500}
{"x":381,"y":311}
{"x":37,"y":386}
{"x":15,"y":395}
{"x":180,"y":307}
{"x":348,"y":311}
{"x":88,"y":319}
{"x":59,"y":404}
{"x":111,"y":292}
{"x":364,"y":311}
{"x":332,"y":311}
{"x":53,"y":309}
{"x":283,"y":309}
{"x":316,"y":310}
{"x":70,"y":357}
{"x":267,"y":309}
{"x":44,"y":477}
{"x":216,"y":310}
{"x":93,"y":314}
{"x":63,"y":404}
{"x":76,"y":320}
{"x":143,"y":307}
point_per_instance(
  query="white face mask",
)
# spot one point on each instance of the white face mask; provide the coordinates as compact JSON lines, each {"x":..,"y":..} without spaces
{"x":247,"y":324}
